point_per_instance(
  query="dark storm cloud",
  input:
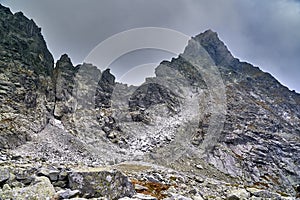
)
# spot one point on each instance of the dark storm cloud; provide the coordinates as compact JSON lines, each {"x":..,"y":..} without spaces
{"x":265,"y":33}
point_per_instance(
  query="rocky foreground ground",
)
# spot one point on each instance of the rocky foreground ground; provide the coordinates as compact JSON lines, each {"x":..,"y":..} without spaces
{"x":21,"y":178}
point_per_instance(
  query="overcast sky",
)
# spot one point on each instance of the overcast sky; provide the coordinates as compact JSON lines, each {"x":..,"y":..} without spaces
{"x":265,"y":33}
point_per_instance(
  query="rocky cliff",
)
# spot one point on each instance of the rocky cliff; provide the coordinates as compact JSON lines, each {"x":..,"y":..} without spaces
{"x":25,"y":86}
{"x":208,"y":126}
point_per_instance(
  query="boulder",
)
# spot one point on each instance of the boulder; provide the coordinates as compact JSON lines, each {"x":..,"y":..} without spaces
{"x":239,"y":194}
{"x":4,"y":175}
{"x":40,"y":189}
{"x":101,"y":183}
{"x":66,"y":194}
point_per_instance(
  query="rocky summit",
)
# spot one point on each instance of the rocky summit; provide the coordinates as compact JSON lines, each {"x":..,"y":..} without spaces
{"x":207,"y":126}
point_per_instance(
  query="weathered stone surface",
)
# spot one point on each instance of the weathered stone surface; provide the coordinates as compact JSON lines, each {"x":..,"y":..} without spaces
{"x":40,"y":189}
{"x":64,"y":75}
{"x":216,"y":49}
{"x":240,"y":194}
{"x":197,"y":197}
{"x":67,"y":194}
{"x":143,"y":197}
{"x":104,"y":90}
{"x":101,"y":183}
{"x":53,"y":175}
{"x":151,"y":94}
{"x":4,"y":175}
{"x":26,"y":89}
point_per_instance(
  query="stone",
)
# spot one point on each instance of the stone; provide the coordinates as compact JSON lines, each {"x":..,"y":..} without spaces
{"x":197,"y":197}
{"x":63,"y":175}
{"x":4,"y":175}
{"x":84,"y":199}
{"x":40,"y":189}
{"x":179,"y":197}
{"x":138,"y":187}
{"x":111,"y":135}
{"x":127,"y":198}
{"x":3,"y":157}
{"x":67,"y":194}
{"x":53,"y":175}
{"x":17,"y":184}
{"x":43,"y":172}
{"x":61,"y":184}
{"x":6,"y":187}
{"x":263,"y":193}
{"x":198,"y":166}
{"x":141,"y":196}
{"x":240,"y":194}
{"x":172,"y":189}
{"x":25,"y":178}
{"x":96,"y":183}
{"x":233,"y":197}
{"x":198,"y":179}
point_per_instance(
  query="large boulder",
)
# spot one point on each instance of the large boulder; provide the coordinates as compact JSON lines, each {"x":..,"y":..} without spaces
{"x":94,"y":183}
{"x":40,"y":189}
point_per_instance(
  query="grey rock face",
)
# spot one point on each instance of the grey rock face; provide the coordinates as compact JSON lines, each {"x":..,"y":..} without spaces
{"x":64,"y":73}
{"x":26,"y":89}
{"x":104,"y":90}
{"x":260,"y":131}
{"x":215,"y":48}
{"x":101,"y":183}
{"x":152,"y":94}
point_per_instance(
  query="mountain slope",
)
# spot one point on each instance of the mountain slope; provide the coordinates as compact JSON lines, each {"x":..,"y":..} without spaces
{"x":207,"y":125}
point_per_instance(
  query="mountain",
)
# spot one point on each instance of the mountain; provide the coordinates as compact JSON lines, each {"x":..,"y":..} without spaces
{"x":207,"y":126}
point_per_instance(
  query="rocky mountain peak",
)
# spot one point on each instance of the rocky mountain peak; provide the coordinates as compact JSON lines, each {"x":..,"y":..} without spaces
{"x":64,"y":62}
{"x":105,"y":89}
{"x":65,"y":58}
{"x":21,"y":39}
{"x":215,"y":47}
{"x":64,"y":74}
{"x":4,"y":10}
{"x":107,"y":77}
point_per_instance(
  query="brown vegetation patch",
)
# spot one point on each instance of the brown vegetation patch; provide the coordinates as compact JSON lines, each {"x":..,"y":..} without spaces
{"x":154,"y":189}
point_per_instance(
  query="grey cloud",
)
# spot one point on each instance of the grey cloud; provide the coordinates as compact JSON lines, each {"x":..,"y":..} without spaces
{"x":265,"y":33}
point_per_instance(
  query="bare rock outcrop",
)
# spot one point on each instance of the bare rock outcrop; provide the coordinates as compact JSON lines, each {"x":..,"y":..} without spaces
{"x":26,"y":87}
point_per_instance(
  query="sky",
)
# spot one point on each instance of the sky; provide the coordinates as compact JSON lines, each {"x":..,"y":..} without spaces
{"x":265,"y":33}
